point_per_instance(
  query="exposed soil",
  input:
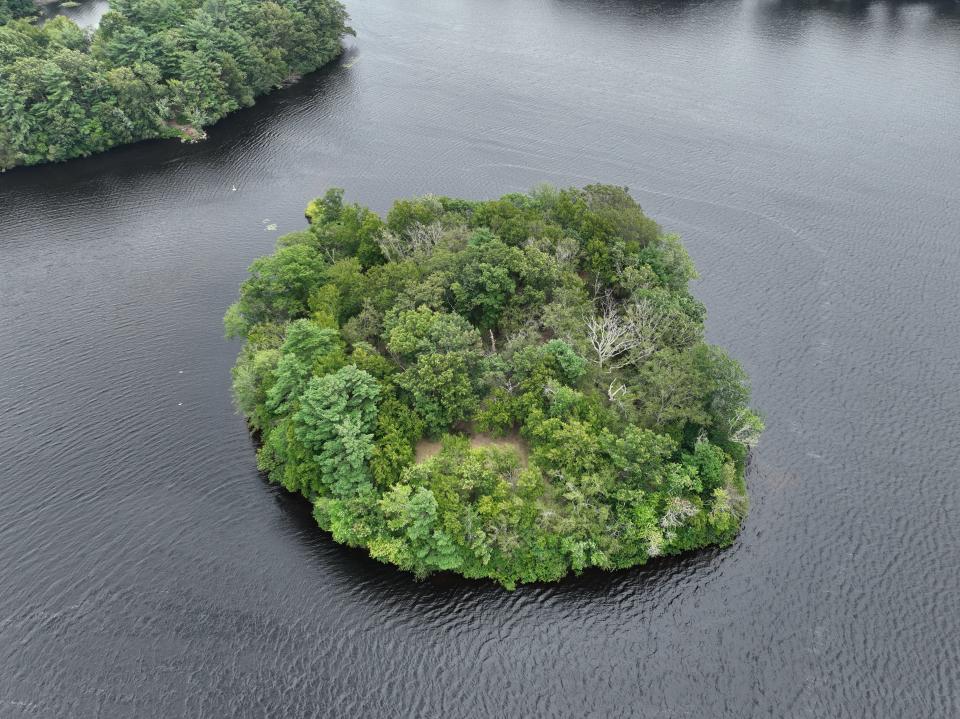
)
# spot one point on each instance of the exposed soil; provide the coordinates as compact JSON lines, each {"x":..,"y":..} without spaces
{"x":188,"y":133}
{"x":427,"y":448}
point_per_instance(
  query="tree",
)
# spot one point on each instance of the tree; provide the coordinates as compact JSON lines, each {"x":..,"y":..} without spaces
{"x":309,"y":350}
{"x":727,"y":396}
{"x":335,"y":423}
{"x":671,"y":391}
{"x":639,"y":455}
{"x":610,"y":334}
{"x":417,"y":238}
{"x":423,"y":331}
{"x":441,"y":389}
{"x":621,"y":211}
{"x":554,"y":359}
{"x":253,"y":377}
{"x":405,"y":215}
{"x":341,"y":231}
{"x":486,"y":279}
{"x":278,"y":289}
{"x":413,"y":514}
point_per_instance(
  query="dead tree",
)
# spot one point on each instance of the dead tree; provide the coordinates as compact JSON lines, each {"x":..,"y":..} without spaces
{"x":609,"y":333}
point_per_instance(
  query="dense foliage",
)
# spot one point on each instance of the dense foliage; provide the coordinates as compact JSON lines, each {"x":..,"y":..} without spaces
{"x":10,"y":9}
{"x":559,"y":321}
{"x":153,"y":68}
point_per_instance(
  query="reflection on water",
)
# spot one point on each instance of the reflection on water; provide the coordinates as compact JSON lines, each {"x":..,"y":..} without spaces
{"x":863,"y":8}
{"x":85,"y":13}
{"x":810,"y":159}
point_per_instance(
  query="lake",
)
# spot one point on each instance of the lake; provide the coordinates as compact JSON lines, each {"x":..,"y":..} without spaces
{"x":85,"y":13}
{"x":809,"y":155}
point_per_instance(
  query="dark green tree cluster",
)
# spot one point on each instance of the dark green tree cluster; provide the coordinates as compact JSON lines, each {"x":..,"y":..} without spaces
{"x":153,"y":68}
{"x":10,"y":9}
{"x":558,"y":321}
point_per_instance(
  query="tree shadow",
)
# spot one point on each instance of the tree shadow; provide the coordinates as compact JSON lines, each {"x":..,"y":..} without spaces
{"x":858,"y":9}
{"x":659,"y":11}
{"x":354,"y":569}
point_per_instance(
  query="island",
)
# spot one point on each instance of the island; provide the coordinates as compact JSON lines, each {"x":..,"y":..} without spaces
{"x":510,"y":389}
{"x":152,"y":69}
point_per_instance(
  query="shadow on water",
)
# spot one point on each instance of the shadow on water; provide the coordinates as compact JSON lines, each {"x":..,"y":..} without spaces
{"x":670,"y":11}
{"x":894,"y":20}
{"x":656,"y":11}
{"x":859,"y":9}
{"x":86,"y":14}
{"x":354,"y":569}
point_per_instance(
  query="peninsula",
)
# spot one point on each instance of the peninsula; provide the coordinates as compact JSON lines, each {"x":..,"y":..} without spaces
{"x":152,"y":69}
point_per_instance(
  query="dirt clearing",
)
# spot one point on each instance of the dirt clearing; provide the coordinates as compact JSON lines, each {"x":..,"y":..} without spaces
{"x":428,"y":448}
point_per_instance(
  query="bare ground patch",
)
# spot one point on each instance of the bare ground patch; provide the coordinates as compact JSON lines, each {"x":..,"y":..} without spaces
{"x":427,"y":448}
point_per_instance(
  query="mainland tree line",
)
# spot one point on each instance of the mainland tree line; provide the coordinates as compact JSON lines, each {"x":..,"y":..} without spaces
{"x":153,"y":68}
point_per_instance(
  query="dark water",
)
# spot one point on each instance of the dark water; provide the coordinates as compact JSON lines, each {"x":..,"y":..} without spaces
{"x":86,"y":14}
{"x":809,"y":156}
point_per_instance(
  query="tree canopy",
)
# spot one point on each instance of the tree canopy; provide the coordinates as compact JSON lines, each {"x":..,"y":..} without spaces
{"x":153,"y":68}
{"x":558,"y":320}
{"x":10,"y":9}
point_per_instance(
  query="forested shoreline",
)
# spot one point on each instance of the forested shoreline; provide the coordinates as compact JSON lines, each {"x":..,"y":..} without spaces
{"x":558,"y":321}
{"x":11,"y":9}
{"x":152,"y":69}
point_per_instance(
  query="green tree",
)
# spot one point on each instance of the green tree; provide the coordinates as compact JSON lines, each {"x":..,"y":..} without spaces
{"x":10,"y":9}
{"x":423,"y":331}
{"x":278,"y":289}
{"x":309,"y":350}
{"x":671,"y":391}
{"x":441,"y":388}
{"x":414,"y":514}
{"x":335,"y":423}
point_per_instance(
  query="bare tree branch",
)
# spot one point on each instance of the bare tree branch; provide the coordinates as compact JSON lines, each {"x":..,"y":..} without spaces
{"x":609,"y":333}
